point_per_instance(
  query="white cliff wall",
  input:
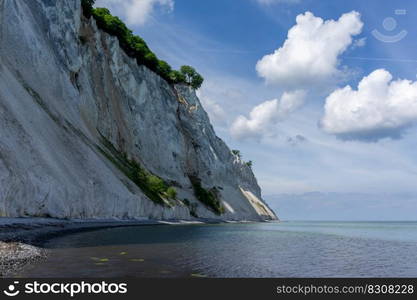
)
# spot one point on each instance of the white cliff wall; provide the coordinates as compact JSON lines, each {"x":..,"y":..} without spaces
{"x":65,"y":87}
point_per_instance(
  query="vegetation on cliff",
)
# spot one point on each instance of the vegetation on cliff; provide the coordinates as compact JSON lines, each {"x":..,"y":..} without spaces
{"x":239,"y":155}
{"x":209,"y":198}
{"x":136,"y":47}
{"x":154,"y":187}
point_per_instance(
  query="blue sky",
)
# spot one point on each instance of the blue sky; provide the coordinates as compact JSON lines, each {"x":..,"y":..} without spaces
{"x":327,"y":137}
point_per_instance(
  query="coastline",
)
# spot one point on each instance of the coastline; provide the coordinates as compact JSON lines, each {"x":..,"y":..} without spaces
{"x":22,"y":239}
{"x":36,"y":230}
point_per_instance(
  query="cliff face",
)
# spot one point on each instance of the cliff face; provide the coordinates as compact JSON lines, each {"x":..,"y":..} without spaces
{"x":72,"y":103}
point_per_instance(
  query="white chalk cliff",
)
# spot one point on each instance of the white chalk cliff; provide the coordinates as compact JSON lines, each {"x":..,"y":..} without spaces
{"x":68,"y":92}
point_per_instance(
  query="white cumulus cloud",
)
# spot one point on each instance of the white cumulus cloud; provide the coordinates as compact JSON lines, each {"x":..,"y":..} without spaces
{"x":380,"y":107}
{"x":135,"y":12}
{"x":358,"y":43}
{"x":266,"y":114}
{"x":310,"y":54}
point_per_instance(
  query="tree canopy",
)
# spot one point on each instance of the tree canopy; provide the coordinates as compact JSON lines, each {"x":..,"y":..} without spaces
{"x":192,"y":77}
{"x":136,"y":47}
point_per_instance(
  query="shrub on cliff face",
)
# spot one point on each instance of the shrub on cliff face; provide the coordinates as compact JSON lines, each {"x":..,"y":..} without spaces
{"x":171,"y":193}
{"x":136,"y":47}
{"x":236,"y":153}
{"x":154,"y":187}
{"x":156,"y":184}
{"x":208,"y":197}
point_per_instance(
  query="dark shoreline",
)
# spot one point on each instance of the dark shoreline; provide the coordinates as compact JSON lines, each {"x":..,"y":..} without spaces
{"x":22,"y":239}
{"x":37,"y":232}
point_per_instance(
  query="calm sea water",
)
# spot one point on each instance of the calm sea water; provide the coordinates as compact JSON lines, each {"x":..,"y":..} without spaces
{"x":288,"y":249}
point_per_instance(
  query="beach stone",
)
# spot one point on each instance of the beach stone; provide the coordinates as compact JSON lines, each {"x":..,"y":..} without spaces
{"x":15,"y":256}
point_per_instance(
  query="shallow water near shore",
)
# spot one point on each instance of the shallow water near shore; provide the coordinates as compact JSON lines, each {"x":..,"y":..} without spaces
{"x":287,"y":249}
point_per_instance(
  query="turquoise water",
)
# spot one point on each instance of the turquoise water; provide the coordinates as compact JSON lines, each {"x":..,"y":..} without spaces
{"x":288,"y":249}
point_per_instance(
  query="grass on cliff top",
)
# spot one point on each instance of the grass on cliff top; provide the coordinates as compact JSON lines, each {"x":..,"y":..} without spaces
{"x":136,"y":47}
{"x":154,"y":187}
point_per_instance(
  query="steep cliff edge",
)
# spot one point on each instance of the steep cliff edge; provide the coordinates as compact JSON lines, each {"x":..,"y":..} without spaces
{"x":78,"y":117}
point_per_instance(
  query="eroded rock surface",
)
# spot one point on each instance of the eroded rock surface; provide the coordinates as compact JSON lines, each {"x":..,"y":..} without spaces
{"x":67,"y":92}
